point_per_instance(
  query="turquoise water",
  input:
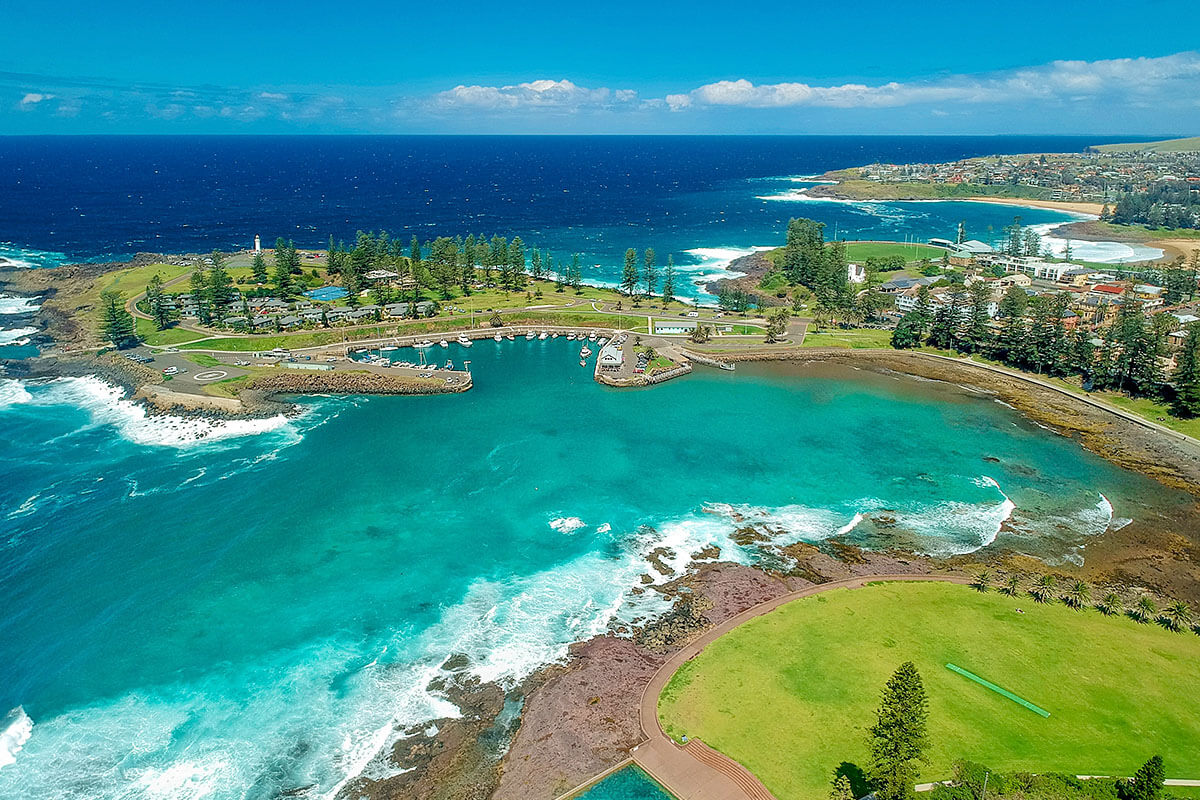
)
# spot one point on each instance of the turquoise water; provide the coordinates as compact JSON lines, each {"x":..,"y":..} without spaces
{"x":225,"y":611}
{"x":629,"y":783}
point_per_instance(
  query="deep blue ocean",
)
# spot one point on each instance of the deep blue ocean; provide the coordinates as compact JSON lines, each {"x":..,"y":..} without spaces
{"x":704,"y":200}
{"x":205,"y":610}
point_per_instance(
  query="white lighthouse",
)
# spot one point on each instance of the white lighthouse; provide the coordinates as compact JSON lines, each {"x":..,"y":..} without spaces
{"x":257,"y":243}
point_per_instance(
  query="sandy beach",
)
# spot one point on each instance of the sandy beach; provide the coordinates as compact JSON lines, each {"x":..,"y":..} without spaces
{"x":1054,"y":205}
{"x":1174,"y":248}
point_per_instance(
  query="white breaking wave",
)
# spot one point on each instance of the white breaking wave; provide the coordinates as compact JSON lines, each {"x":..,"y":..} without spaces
{"x":945,"y":528}
{"x":713,"y":262}
{"x":567,"y":524}
{"x":12,"y":335}
{"x":1099,"y":252}
{"x":18,"y":305}
{"x":13,"y":392}
{"x":28,"y":258}
{"x":15,"y":730}
{"x":108,"y":405}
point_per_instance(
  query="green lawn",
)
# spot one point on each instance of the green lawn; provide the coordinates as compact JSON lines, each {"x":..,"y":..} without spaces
{"x":860,"y":251}
{"x":203,"y":359}
{"x":133,"y":281}
{"x":853,"y":339}
{"x":791,"y":694}
{"x":1161,"y":146}
{"x":880,"y":190}
{"x":151,"y":335}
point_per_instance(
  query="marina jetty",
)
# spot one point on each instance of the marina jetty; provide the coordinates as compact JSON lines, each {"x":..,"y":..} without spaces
{"x":623,"y":364}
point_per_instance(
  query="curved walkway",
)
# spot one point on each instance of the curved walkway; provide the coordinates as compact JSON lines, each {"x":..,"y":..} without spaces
{"x":695,"y":771}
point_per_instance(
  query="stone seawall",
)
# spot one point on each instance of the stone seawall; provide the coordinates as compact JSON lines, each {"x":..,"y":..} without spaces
{"x":346,"y":382}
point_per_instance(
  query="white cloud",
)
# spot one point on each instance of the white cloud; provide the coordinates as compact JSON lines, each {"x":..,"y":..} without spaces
{"x":272,"y":96}
{"x":1170,"y":79}
{"x":560,"y":95}
{"x":33,"y":98}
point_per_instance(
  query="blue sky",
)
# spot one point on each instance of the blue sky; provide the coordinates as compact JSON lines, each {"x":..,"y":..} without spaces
{"x":614,"y":67}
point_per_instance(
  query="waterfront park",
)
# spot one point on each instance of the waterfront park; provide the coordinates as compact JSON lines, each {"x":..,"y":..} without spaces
{"x":791,"y":694}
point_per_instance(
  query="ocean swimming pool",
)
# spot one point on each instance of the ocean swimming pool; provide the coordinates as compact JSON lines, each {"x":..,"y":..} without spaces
{"x":627,"y":783}
{"x":327,"y":293}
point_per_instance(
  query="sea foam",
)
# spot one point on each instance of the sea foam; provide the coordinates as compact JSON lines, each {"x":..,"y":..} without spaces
{"x":15,"y":729}
{"x":567,"y":524}
{"x":1098,"y":252}
{"x":108,"y":405}
{"x":18,"y":305}
{"x":13,"y":334}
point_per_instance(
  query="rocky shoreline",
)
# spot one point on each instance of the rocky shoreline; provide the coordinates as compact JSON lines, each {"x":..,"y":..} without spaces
{"x":580,"y":717}
{"x":752,"y":266}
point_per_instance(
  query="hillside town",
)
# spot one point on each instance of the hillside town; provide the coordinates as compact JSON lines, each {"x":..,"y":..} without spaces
{"x":1089,"y":176}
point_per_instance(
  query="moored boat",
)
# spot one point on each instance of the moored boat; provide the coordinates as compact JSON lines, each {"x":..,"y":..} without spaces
{"x":463,"y":340}
{"x":498,"y":337}
{"x":443,"y":343}
{"x":542,"y":335}
{"x":424,"y":343}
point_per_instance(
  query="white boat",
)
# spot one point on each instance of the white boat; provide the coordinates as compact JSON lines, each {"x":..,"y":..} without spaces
{"x":571,"y":336}
{"x":585,"y":352}
{"x":360,"y":350}
{"x":542,"y":336}
{"x":463,"y":340}
{"x":388,"y":349}
{"x":592,"y":338}
{"x":498,"y":337}
{"x":443,"y":343}
{"x":601,"y":341}
{"x":424,"y":343}
{"x":510,"y":337}
{"x":554,"y":335}
{"x":529,"y":335}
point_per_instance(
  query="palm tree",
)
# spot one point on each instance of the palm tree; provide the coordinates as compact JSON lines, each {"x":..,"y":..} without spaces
{"x":1043,"y":588}
{"x":1144,"y":610}
{"x":983,"y":581}
{"x":1012,"y":585}
{"x":1111,"y":604}
{"x":1177,"y":616}
{"x":1077,"y":595}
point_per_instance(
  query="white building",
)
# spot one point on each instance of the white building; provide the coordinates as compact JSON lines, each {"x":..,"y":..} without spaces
{"x":856,"y":273}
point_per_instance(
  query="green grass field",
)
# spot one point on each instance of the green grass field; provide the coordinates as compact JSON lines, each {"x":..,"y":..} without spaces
{"x":861,"y":251}
{"x":151,"y":335}
{"x":791,"y":694}
{"x":852,"y":339}
{"x":1161,"y":146}
{"x":879,"y":190}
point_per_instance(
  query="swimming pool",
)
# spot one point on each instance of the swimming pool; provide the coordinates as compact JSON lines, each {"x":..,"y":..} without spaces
{"x":327,"y":293}
{"x":627,"y":783}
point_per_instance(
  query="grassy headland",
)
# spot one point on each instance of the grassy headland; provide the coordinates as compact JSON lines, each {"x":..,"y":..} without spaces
{"x":1187,"y":145}
{"x":790,"y":694}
